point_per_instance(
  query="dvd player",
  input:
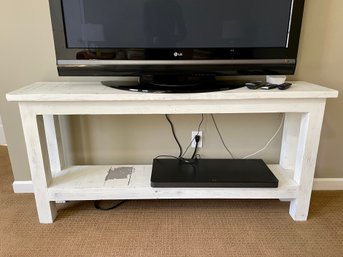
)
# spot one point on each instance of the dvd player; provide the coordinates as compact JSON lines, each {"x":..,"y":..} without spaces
{"x":212,"y":173}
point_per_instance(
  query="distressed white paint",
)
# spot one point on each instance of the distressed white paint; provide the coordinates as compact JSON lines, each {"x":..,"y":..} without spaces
{"x":94,"y":91}
{"x":53,"y":140}
{"x":306,"y":156}
{"x":290,"y":140}
{"x":88,"y":182}
{"x":40,"y":171}
{"x":303,"y":103}
{"x":319,"y":184}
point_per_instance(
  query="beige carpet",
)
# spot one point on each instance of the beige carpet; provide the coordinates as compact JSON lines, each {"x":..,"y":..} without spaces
{"x":169,"y":228}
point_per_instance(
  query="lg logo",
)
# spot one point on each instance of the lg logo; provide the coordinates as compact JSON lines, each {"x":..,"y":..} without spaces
{"x":176,"y":54}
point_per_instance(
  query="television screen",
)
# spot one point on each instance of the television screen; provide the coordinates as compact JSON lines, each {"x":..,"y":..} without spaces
{"x":176,"y":23}
{"x":174,"y":40}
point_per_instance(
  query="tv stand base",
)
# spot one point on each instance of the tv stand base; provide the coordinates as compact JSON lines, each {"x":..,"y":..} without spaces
{"x":42,"y":103}
{"x":176,"y":84}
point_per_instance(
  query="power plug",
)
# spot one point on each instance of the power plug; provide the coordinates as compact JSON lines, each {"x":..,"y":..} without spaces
{"x":195,"y":133}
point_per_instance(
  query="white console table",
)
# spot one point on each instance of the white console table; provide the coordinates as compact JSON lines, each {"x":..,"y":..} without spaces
{"x":40,"y":103}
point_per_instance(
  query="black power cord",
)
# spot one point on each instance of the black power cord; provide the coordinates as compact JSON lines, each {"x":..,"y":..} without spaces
{"x":199,"y":126}
{"x":98,"y":206}
{"x":197,"y":140}
{"x":182,"y":154}
{"x":174,"y":135}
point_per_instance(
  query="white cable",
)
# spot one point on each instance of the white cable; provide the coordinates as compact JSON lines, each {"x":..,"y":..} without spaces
{"x":267,"y":144}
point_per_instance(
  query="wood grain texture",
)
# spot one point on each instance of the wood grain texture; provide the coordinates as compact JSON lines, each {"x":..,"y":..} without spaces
{"x":88,"y":182}
{"x":303,"y":104}
{"x":95,"y":91}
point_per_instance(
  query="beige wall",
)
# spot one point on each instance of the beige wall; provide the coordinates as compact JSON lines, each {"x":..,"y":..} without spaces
{"x":138,"y":139}
{"x":321,"y":61}
{"x":27,"y":56}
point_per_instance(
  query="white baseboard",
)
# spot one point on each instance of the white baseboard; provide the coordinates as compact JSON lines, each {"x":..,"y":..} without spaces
{"x":318,"y":185}
{"x":22,"y":187}
{"x":328,"y":184}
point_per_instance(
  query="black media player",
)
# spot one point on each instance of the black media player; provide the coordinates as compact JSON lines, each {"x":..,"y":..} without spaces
{"x":212,"y":173}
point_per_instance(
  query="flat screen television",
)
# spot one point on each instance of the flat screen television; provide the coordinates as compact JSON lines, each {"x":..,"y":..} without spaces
{"x":176,"y":45}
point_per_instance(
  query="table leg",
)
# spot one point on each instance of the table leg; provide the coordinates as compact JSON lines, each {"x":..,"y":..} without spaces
{"x":54,"y":144}
{"x":39,"y":163}
{"x":305,"y":160}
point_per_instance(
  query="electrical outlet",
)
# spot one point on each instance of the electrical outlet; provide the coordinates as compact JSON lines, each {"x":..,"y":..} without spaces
{"x":194,"y":133}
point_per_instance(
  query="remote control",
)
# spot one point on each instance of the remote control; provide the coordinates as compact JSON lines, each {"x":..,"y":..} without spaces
{"x":268,"y":86}
{"x":254,"y":85}
{"x":284,"y":86}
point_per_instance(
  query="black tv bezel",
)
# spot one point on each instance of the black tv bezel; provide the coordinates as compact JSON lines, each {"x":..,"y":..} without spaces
{"x":161,"y":61}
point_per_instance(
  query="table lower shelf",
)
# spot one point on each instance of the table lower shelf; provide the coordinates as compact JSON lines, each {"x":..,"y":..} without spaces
{"x":133,"y":182}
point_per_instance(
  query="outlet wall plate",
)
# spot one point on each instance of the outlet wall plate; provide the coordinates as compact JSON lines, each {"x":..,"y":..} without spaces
{"x":194,"y":133}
